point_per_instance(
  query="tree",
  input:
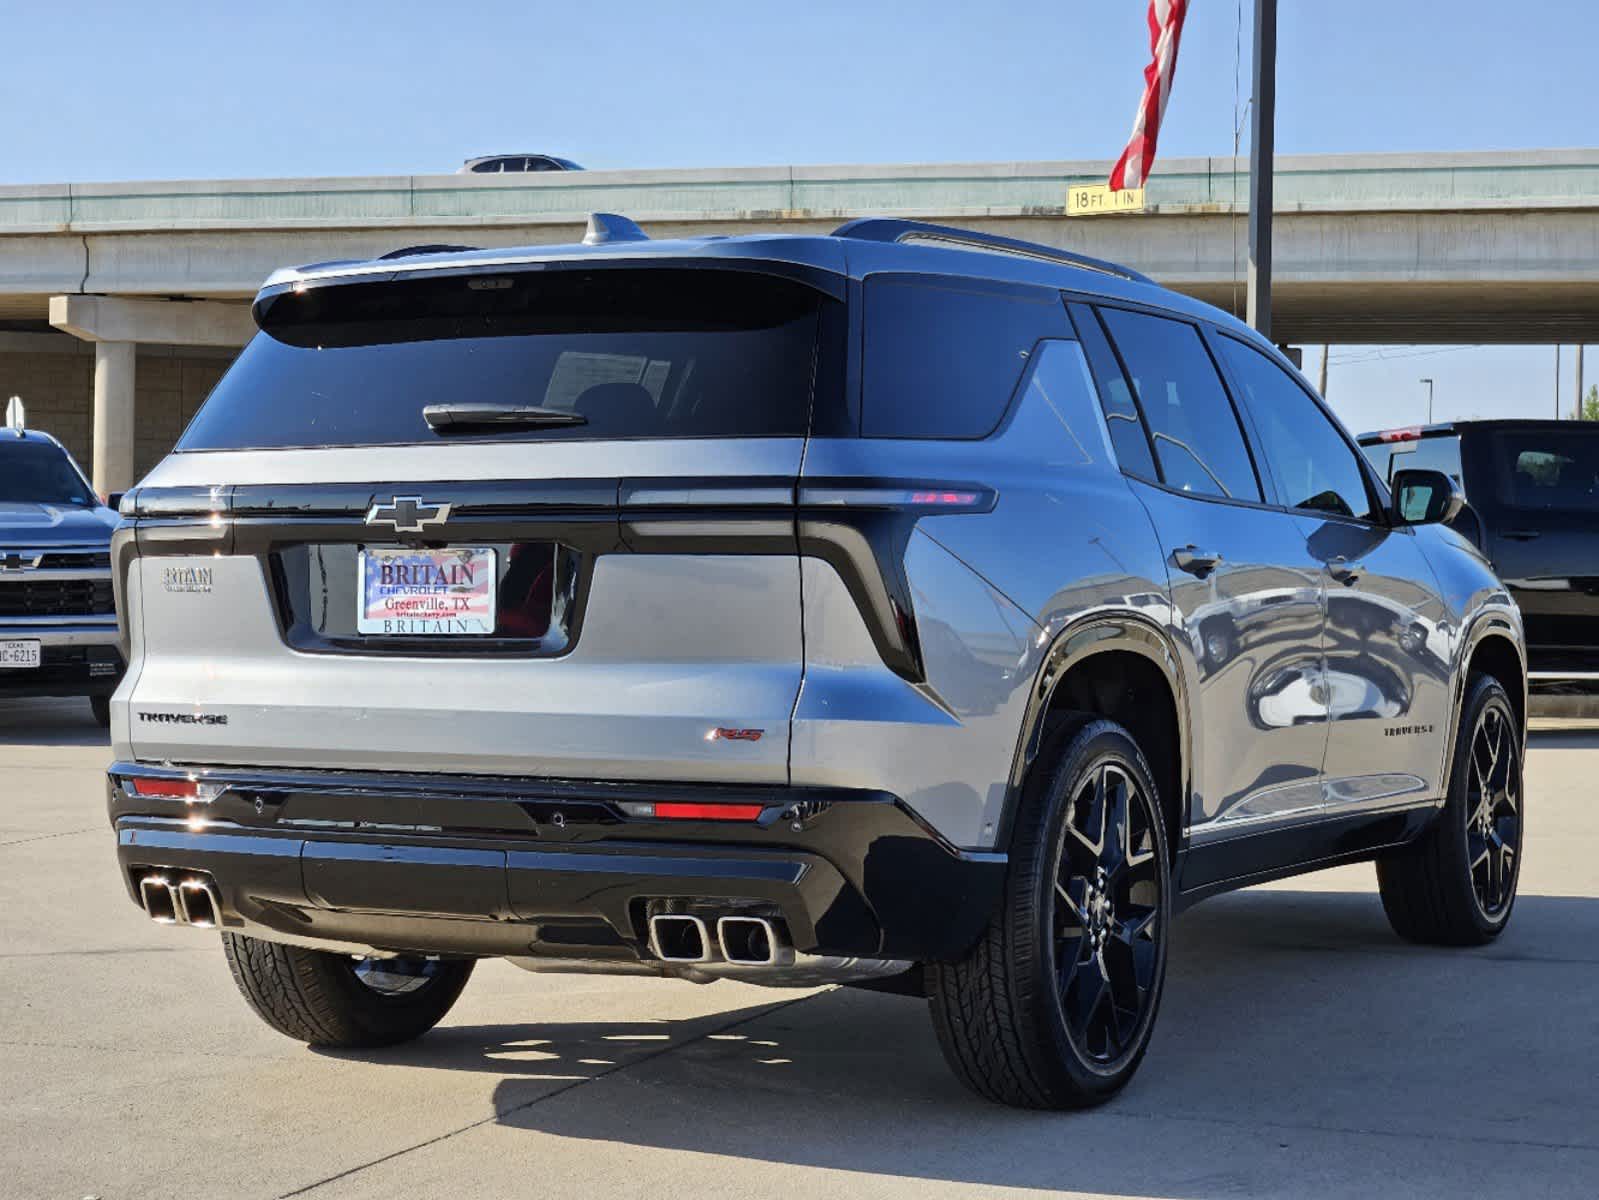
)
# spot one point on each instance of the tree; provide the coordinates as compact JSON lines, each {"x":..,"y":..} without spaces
{"x":1590,"y":404}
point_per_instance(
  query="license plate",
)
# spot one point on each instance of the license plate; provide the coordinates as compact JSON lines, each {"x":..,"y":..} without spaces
{"x":19,"y":656}
{"x":426,"y":593}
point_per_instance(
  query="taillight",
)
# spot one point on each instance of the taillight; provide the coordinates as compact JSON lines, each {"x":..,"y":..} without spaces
{"x":682,"y":810}
{"x":942,"y":497}
{"x":945,"y":499}
{"x":1413,"y":434}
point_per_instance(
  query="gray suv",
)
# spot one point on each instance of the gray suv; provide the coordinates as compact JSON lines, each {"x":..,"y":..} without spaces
{"x":905,"y":608}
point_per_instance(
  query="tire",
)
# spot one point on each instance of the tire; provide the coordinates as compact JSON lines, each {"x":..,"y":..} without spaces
{"x":100,"y":706}
{"x":319,"y":998}
{"x":1012,"y":1028}
{"x":1456,"y":885}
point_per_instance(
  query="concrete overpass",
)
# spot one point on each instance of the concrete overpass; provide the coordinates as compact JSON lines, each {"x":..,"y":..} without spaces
{"x":1478,"y":247}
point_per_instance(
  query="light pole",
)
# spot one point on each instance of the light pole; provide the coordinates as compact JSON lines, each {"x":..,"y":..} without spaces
{"x":1262,"y":138}
{"x":1428,"y":382}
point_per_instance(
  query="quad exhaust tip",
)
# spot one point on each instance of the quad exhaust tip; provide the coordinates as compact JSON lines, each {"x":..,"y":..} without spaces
{"x":740,"y":941}
{"x":679,"y":938}
{"x":750,"y":941}
{"x":160,"y":899}
{"x":190,"y":901}
{"x":198,"y":902}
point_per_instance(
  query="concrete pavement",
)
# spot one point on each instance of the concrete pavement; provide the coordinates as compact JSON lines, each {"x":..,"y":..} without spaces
{"x":1302,"y":1050}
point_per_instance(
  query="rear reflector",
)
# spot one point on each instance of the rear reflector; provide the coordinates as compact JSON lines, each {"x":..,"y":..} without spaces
{"x":677,"y":810}
{"x":174,"y":789}
{"x":171,"y":789}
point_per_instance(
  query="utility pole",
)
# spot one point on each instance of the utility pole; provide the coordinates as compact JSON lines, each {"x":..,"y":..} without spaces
{"x":1321,"y":378}
{"x":1577,"y":412}
{"x":1428,"y":382}
{"x":1262,"y":128}
{"x":1557,"y":383}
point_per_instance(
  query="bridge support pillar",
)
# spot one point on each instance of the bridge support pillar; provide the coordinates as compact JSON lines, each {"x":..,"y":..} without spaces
{"x":117,"y":326}
{"x":115,"y":367}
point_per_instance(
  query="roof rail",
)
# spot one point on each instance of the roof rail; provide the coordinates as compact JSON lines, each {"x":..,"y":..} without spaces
{"x":891,"y":229}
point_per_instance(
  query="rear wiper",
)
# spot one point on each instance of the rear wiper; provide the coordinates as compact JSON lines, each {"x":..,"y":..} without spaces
{"x":462,"y":418}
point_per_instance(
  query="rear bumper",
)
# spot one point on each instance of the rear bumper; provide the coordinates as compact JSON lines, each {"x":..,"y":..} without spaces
{"x":492,"y":866}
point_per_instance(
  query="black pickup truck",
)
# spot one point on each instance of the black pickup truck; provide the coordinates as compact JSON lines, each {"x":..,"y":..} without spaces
{"x":1532,"y":507}
{"x":58,"y":621}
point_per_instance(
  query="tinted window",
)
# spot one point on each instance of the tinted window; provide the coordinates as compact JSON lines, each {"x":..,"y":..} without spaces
{"x":943,"y":355}
{"x":1116,"y":398}
{"x":1197,"y":437}
{"x":1431,"y":453}
{"x":1549,"y":469}
{"x":39,"y":473}
{"x":1062,"y":426}
{"x":657,"y":353}
{"x":1314,"y":466}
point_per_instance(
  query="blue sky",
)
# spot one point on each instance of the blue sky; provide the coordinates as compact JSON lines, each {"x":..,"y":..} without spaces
{"x":112,"y":91}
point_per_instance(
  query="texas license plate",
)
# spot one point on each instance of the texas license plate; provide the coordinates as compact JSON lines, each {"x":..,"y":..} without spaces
{"x":426,"y":593}
{"x":19,"y":655}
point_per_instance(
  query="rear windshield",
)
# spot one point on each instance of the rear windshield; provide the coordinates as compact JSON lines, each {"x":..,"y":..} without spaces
{"x":1433,"y":453}
{"x":636,"y":353}
{"x":1549,"y":469}
{"x":39,"y":473}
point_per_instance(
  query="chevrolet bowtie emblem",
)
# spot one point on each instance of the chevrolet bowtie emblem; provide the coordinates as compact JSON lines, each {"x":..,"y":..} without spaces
{"x":408,"y":514}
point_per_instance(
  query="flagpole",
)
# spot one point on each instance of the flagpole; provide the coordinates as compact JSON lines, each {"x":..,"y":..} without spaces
{"x":1262,"y":129}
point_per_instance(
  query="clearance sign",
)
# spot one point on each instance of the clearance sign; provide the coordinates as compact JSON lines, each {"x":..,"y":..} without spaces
{"x":1094,"y":199}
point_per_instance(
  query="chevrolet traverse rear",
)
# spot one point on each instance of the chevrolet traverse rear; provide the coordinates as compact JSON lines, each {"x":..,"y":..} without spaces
{"x":905,"y":608}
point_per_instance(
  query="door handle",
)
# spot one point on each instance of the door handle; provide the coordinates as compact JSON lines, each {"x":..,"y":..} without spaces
{"x":1521,"y":535}
{"x":1195,"y":561}
{"x":1344,"y":571}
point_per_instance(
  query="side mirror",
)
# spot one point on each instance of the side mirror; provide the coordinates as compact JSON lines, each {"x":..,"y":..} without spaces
{"x":114,"y":500}
{"x":1422,"y":497}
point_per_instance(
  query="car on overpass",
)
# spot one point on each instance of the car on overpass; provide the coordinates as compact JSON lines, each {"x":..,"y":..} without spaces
{"x":1532,"y":507}
{"x":795,"y":610}
{"x":496,"y":164}
{"x":58,"y":625}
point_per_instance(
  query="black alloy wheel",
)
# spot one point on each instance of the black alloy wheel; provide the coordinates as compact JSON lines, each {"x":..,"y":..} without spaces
{"x":1455,"y":885}
{"x":1054,"y":1005}
{"x":1493,"y":812}
{"x":1107,"y":924}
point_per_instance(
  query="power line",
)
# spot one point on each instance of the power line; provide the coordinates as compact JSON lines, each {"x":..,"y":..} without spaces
{"x":1382,"y":355}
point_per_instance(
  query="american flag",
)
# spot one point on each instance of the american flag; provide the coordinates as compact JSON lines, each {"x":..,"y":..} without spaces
{"x":1165,"y":30}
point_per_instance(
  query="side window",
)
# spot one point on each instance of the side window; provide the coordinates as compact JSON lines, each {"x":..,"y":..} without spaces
{"x":943,"y":355}
{"x":1056,"y":414}
{"x":1548,"y":470}
{"x":1116,"y":399}
{"x":1314,"y":466}
{"x":1197,"y":437}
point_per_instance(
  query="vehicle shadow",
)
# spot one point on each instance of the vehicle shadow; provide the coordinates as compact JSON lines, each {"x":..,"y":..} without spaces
{"x":1302,"y":1049}
{"x":49,"y":722}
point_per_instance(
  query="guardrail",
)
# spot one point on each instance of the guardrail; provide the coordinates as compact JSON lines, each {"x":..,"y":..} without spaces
{"x":1534,"y":179}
